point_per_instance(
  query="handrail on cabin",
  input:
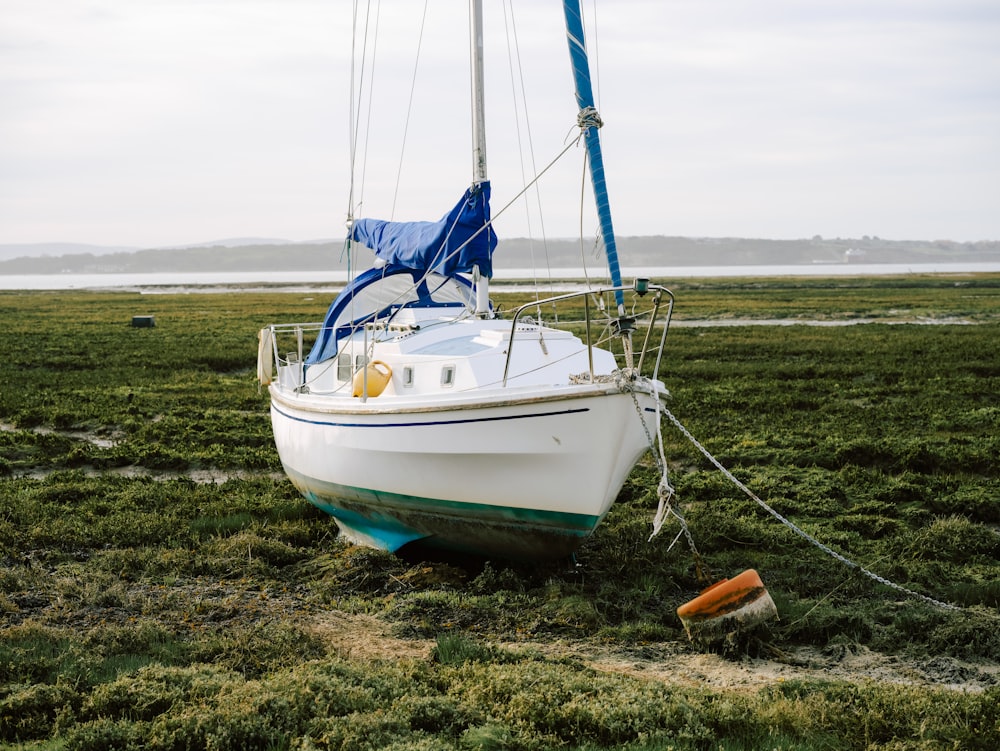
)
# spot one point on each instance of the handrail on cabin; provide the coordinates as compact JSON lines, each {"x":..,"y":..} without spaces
{"x":640,"y":286}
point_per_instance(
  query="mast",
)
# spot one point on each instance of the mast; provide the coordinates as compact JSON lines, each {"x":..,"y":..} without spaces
{"x":478,"y":97}
{"x":589,"y":121}
{"x":478,"y":135}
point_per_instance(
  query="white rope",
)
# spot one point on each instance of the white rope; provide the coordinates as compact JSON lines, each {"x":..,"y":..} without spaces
{"x":664,"y":489}
{"x":625,"y":379}
{"x":665,"y":492}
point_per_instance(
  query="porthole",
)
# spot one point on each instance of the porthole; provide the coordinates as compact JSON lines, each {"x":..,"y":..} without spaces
{"x":344,"y":371}
{"x":448,"y":376}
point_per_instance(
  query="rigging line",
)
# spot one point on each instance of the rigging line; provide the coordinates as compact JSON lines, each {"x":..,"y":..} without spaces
{"x":409,"y":108}
{"x":511,"y":202}
{"x":597,"y":57}
{"x":371,"y":98}
{"x":354,"y":124}
{"x":506,"y":206}
{"x":352,"y":145}
{"x":583,"y":192}
{"x":358,"y":79}
{"x":515,"y":57}
{"x":514,"y":61}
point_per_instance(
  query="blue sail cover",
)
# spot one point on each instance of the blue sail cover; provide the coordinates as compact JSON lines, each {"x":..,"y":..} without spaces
{"x":453,"y":245}
{"x":377,"y":293}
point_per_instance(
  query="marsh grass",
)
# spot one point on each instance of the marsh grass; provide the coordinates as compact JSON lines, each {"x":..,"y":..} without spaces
{"x":140,"y":608}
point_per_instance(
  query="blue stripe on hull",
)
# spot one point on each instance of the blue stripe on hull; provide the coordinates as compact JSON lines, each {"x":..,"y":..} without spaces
{"x":426,"y":423}
{"x":389,"y":520}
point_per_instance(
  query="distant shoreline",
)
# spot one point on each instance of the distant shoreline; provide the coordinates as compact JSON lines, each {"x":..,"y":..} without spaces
{"x":556,"y":279}
{"x":514,"y":253}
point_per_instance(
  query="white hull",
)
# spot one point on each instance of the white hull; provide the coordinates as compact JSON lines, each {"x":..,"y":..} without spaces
{"x":525,"y":472}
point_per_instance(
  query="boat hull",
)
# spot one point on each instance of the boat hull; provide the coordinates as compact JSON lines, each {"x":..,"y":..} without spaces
{"x":528,"y":477}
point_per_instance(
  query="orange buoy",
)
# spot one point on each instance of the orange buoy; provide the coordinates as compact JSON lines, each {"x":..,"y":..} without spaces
{"x":377,"y":373}
{"x":727,"y":607}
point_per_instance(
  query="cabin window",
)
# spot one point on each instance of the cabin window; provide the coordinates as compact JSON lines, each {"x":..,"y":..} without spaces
{"x":448,"y":376}
{"x":407,"y":377}
{"x":344,"y":367}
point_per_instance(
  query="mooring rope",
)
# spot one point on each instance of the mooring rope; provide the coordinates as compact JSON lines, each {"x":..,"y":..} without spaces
{"x":666,"y":509}
{"x":625,"y":380}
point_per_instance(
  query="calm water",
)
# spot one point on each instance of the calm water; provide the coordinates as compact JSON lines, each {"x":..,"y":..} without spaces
{"x":332,"y":280}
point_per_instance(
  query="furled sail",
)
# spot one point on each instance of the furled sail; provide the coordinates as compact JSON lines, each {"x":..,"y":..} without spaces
{"x":456,"y":243}
{"x":590,"y":121}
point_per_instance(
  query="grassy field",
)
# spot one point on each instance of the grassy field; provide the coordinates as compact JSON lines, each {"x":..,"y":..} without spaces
{"x":162,"y":586}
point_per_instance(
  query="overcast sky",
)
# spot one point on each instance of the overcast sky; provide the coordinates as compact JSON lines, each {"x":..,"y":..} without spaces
{"x":160,"y":122}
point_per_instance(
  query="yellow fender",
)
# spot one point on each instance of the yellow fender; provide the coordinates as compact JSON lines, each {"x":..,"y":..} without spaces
{"x":378,"y":374}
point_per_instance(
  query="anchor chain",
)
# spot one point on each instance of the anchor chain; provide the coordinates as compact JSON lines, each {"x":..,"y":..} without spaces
{"x":797,"y":530}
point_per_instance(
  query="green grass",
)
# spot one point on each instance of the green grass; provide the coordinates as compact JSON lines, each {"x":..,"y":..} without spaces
{"x":141,"y":608}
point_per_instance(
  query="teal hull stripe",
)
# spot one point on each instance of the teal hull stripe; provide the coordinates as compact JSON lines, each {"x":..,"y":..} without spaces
{"x":387,"y":534}
{"x":391,"y":520}
{"x":384,"y":502}
{"x":429,"y":422}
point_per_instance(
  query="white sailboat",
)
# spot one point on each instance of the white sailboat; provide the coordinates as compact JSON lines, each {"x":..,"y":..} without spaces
{"x":414,"y":412}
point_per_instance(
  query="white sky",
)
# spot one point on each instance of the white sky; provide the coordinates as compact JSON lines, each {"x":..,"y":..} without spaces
{"x":160,"y":122}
